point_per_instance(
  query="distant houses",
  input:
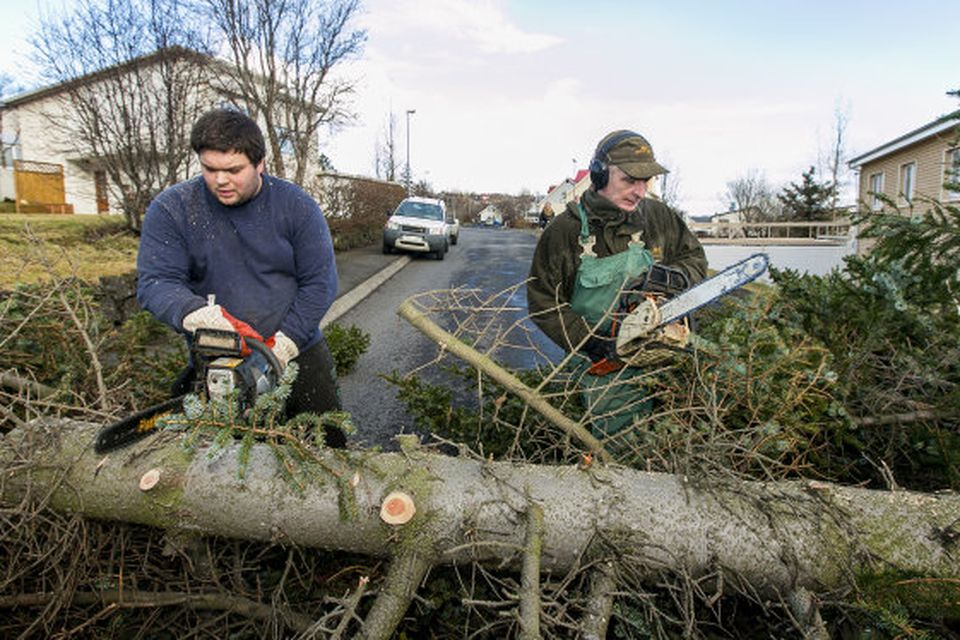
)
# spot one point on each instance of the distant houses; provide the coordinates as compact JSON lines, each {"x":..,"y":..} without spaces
{"x":567,"y":191}
{"x":490,"y":216}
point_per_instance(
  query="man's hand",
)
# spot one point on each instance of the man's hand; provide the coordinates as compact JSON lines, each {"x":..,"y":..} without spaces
{"x":207,"y":317}
{"x":603,"y":354}
{"x":213,"y":316}
{"x":283,"y":347}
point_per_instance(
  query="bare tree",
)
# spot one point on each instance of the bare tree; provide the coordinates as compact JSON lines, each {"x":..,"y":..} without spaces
{"x":385,"y":162}
{"x":131,"y":73}
{"x":283,"y":55}
{"x":8,"y":85}
{"x":752,"y":196}
{"x":670,"y":189}
{"x":465,"y":206}
{"x":833,"y":164}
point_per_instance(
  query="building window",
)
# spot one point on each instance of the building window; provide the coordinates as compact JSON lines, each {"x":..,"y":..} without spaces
{"x":952,"y":175}
{"x":908,"y":181}
{"x":875,"y":191}
{"x":9,"y":149}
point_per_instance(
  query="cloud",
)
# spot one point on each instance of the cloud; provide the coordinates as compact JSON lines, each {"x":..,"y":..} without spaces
{"x":457,"y":24}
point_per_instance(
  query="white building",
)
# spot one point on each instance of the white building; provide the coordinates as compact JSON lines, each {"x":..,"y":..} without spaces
{"x":491,"y":216}
{"x":58,"y":169}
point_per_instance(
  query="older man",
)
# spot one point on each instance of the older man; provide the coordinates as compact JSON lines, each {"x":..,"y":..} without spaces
{"x":612,"y":234}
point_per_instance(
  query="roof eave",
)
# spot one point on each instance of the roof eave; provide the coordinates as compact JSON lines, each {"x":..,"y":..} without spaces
{"x":917,"y":135}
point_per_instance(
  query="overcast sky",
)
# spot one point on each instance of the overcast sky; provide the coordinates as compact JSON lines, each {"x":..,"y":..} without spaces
{"x":513,"y":95}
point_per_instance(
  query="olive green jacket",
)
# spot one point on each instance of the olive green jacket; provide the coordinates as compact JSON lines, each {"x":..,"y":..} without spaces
{"x":557,"y":257}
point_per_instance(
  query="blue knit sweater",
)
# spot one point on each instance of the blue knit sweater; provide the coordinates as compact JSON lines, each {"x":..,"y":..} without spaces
{"x":269,"y":261}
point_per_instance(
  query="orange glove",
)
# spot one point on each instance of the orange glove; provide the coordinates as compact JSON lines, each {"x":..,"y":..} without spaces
{"x":213,"y":316}
{"x":245,"y":331}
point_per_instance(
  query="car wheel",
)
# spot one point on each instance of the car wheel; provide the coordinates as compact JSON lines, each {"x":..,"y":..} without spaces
{"x":456,"y":239}
{"x":387,"y":249}
{"x":441,"y":252}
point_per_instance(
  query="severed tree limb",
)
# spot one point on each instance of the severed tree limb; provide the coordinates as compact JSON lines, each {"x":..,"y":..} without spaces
{"x":11,"y":416}
{"x":899,"y":418}
{"x":10,"y":380}
{"x":804,"y":609}
{"x":91,"y":350}
{"x":530,"y":575}
{"x":406,"y":572}
{"x":774,"y":536}
{"x":350,"y":608}
{"x":474,"y":358}
{"x":128,"y":599}
{"x":603,"y":585}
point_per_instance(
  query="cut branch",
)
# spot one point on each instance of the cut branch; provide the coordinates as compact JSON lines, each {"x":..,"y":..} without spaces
{"x":14,"y":382}
{"x":400,"y":585}
{"x":603,"y":585}
{"x":128,"y":599}
{"x":530,"y":575}
{"x":510,"y":382}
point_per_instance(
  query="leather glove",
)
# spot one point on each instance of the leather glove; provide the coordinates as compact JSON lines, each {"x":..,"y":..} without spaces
{"x":213,"y":316}
{"x":283,"y":347}
{"x":665,"y":280}
{"x":603,"y":354}
{"x":597,"y":348}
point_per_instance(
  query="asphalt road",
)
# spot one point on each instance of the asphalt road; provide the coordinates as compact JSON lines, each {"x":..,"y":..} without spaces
{"x":487,"y":262}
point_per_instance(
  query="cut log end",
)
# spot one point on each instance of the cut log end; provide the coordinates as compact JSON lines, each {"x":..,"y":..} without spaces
{"x":149,"y":480}
{"x":397,"y":508}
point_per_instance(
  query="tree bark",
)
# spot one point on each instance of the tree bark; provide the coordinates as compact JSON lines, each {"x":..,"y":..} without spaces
{"x":776,"y":536}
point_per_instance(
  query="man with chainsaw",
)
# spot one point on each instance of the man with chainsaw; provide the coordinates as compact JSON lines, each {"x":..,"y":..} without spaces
{"x":612,"y":236}
{"x":239,"y":250}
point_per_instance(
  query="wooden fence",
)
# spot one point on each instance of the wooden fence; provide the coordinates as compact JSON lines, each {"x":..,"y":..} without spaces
{"x":39,"y":187}
{"x":821,"y":232}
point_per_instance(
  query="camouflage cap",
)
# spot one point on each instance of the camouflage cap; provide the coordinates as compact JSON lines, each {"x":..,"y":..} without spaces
{"x":632,"y":153}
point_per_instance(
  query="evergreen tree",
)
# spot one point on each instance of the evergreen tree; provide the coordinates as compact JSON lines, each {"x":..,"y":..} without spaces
{"x":808,"y":201}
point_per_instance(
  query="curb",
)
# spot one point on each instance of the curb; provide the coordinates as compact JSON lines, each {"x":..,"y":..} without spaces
{"x":353,"y":297}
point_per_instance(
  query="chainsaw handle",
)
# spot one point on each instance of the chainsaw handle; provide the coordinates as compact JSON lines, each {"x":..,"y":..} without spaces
{"x":267,"y":353}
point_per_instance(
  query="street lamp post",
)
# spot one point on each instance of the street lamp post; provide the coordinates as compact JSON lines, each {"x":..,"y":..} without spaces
{"x":408,"y":176}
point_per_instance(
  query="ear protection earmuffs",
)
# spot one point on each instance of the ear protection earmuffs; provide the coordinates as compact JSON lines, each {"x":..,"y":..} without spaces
{"x":599,"y":171}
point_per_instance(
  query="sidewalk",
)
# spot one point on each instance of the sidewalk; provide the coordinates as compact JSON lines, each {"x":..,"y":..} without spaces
{"x":361,"y":271}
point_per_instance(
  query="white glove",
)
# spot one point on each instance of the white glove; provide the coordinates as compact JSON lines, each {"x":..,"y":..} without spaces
{"x":209,"y":316}
{"x":284,"y":348}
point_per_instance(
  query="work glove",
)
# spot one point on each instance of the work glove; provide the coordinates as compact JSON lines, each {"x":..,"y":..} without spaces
{"x":603,"y":354}
{"x":664,"y":280}
{"x":213,"y":316}
{"x":283,"y":347}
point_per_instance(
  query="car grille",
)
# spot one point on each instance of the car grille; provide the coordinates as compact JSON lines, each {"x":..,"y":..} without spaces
{"x":412,"y":229}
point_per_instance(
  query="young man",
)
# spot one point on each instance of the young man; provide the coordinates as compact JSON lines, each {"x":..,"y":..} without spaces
{"x":259,"y":245}
{"x":614,"y":233}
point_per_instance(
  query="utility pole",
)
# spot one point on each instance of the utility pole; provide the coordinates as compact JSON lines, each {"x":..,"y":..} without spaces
{"x":409,"y":175}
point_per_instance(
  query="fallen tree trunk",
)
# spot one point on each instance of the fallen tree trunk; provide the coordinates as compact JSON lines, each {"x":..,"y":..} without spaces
{"x":776,"y":536}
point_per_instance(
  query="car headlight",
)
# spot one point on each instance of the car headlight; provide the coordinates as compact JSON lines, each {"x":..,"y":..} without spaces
{"x":393,"y":226}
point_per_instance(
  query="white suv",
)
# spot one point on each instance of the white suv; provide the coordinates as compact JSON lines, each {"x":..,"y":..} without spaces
{"x":420,"y":225}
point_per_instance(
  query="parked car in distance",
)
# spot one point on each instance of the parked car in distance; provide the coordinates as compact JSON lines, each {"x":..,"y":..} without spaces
{"x":418,"y":225}
{"x":453,"y":225}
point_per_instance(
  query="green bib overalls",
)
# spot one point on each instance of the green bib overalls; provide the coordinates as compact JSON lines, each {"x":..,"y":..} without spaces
{"x":596,"y":292}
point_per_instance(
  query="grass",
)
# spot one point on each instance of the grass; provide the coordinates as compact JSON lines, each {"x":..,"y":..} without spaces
{"x":35,"y":247}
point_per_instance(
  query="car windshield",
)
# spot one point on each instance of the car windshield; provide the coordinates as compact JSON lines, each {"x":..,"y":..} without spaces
{"x":419,"y":210}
